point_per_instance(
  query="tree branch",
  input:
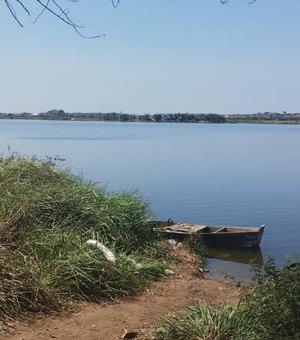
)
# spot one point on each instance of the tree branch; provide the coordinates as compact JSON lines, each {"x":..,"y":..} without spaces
{"x":115,"y":3}
{"x":54,"y":8}
{"x":224,"y":2}
{"x":13,"y":12}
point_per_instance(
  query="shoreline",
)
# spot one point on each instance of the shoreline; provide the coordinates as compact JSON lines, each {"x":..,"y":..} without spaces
{"x":109,"y":320}
{"x":202,"y":118}
{"x":255,"y":122}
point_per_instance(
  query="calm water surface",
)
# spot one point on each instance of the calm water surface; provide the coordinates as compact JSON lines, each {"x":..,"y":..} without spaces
{"x":244,"y":175}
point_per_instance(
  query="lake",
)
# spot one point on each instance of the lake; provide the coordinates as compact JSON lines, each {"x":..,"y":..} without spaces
{"x":227,"y":174}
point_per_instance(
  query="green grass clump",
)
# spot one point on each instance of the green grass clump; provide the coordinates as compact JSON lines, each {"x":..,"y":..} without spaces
{"x":22,"y":286}
{"x":207,"y":323}
{"x":275,"y":300}
{"x":270,"y":309}
{"x":46,"y":217}
{"x":79,"y":271}
{"x":37,"y":196}
{"x":195,"y":243}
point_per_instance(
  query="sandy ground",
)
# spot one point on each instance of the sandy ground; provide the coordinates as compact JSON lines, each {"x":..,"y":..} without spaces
{"x":108,"y":321}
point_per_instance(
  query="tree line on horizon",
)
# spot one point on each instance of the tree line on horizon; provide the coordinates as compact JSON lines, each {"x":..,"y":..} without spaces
{"x":59,"y":114}
{"x":119,"y":117}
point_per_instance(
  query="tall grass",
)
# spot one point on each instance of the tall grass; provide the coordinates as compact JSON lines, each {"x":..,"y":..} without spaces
{"x":195,"y":243}
{"x":23,"y":286}
{"x":207,"y":323}
{"x":46,"y":217}
{"x":37,"y":196}
{"x":275,"y":300}
{"x":270,"y":309}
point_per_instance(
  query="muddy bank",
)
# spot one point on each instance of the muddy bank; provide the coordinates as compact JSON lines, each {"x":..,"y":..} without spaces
{"x":109,"y":320}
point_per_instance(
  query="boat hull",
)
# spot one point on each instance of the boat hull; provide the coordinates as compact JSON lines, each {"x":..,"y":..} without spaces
{"x":232,"y":240}
{"x":213,"y":236}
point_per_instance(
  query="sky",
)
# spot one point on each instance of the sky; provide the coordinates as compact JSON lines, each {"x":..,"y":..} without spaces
{"x":157,"y":56}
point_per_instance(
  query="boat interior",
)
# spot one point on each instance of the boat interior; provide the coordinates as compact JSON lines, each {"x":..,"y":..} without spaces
{"x":184,"y":228}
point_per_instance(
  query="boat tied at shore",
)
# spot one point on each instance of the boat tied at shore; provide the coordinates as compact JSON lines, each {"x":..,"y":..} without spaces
{"x":212,"y":236}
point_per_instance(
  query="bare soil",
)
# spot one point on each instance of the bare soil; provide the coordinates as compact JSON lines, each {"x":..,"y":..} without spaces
{"x":109,"y":321}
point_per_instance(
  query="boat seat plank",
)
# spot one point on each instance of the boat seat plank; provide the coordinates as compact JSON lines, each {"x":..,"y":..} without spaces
{"x":220,"y":229}
{"x":178,"y":227}
{"x":197,"y":228}
{"x":184,"y":228}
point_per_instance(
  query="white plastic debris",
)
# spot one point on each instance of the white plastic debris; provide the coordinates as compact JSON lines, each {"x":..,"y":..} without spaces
{"x":110,"y":256}
{"x":137,"y":264}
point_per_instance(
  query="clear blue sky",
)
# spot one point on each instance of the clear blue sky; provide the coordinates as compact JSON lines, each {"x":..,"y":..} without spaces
{"x":158,"y":56}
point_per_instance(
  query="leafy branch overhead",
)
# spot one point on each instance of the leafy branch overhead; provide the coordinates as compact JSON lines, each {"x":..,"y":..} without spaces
{"x":55,"y":8}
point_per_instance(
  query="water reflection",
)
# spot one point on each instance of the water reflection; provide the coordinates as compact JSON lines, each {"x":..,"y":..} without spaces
{"x":233,"y":263}
{"x":246,"y":256}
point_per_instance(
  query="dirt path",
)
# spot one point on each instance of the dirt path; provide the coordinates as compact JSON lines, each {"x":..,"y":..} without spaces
{"x":108,"y":321}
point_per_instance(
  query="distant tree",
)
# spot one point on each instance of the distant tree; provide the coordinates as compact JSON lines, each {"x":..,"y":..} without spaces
{"x":215,"y":118}
{"x":125,"y":117}
{"x":158,"y":118}
{"x":54,"y":114}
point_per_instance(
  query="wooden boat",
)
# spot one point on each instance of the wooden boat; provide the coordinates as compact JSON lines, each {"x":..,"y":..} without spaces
{"x":213,"y":236}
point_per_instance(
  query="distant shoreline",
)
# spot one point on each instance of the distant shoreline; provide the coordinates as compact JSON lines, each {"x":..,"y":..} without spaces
{"x":258,"y":118}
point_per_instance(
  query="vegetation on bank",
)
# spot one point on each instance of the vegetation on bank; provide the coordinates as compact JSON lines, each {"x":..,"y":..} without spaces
{"x":46,"y":217}
{"x":120,"y":117}
{"x":256,"y":118}
{"x":270,"y":309}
